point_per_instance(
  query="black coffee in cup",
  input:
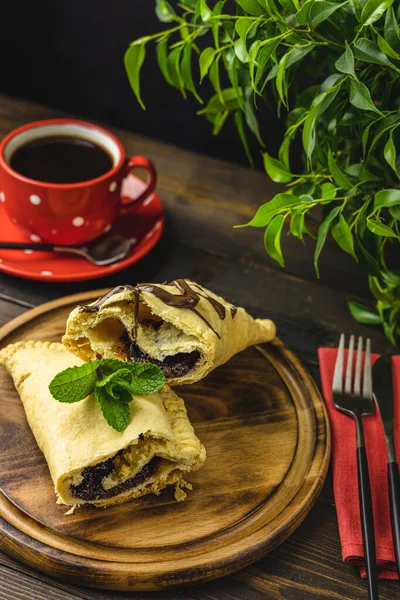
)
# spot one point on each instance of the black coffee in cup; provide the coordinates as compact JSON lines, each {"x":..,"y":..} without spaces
{"x":61,"y":159}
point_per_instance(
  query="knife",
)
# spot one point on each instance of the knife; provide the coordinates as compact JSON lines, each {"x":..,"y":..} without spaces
{"x":383,"y":392}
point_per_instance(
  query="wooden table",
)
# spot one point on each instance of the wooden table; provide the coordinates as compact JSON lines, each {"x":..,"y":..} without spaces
{"x":204,"y":198}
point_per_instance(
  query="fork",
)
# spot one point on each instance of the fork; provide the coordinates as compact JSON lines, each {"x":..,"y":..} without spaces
{"x":355,"y":403}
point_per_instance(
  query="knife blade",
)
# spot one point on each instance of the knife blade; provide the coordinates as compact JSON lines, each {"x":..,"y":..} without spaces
{"x":382,"y":377}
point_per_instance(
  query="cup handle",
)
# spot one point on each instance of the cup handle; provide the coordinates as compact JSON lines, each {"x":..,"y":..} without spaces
{"x":143,"y":163}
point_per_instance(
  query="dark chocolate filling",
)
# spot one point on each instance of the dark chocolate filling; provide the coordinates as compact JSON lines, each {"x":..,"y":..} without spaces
{"x":91,"y":488}
{"x":173,"y":366}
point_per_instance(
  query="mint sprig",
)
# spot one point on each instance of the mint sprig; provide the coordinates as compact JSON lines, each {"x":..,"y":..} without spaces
{"x":115,"y":411}
{"x":112,"y":381}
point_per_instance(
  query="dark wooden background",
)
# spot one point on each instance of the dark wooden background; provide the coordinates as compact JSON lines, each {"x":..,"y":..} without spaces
{"x":204,"y":198}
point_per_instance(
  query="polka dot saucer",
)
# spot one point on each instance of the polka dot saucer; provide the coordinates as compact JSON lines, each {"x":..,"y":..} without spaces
{"x":145,"y":225}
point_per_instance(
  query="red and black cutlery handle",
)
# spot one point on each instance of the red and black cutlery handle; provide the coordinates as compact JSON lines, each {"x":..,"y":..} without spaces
{"x":367,"y":522}
{"x":394,"y":500}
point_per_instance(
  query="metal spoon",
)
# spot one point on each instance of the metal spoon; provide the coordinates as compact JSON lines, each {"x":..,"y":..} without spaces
{"x":106,"y":251}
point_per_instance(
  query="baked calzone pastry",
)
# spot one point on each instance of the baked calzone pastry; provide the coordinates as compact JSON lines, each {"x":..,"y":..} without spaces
{"x":89,"y":461}
{"x":182,"y":327}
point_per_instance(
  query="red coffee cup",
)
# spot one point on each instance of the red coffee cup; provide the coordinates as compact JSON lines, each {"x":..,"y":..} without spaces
{"x":68,"y":213}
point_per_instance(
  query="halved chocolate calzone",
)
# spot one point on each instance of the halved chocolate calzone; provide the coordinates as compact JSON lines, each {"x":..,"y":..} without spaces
{"x":182,"y":327}
{"x":89,"y":461}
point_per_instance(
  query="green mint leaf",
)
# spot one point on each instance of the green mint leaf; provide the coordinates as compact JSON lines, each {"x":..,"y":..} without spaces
{"x":146,"y":378}
{"x":107,"y":366}
{"x":121,"y":374}
{"x":116,"y":413}
{"x":120,"y":390}
{"x":75,"y":383}
{"x":118,"y":384}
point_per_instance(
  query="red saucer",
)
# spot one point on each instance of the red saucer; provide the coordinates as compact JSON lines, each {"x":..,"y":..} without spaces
{"x":145,"y":225}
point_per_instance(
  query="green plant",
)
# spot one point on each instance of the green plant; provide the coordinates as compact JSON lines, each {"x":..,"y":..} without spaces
{"x":333,"y":67}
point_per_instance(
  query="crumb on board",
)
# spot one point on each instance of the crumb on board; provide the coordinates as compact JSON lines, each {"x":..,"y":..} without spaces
{"x":70,"y":511}
{"x":180,"y":494}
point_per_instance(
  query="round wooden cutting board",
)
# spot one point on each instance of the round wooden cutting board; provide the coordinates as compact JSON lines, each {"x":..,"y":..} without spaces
{"x":263,"y":423}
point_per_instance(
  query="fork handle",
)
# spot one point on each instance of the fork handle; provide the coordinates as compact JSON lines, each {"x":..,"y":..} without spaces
{"x":367,"y":521}
{"x":394,"y":498}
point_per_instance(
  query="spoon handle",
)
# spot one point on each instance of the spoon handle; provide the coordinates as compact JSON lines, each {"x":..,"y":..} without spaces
{"x":26,"y":246}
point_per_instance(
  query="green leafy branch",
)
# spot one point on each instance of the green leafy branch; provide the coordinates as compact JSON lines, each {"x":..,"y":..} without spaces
{"x":332,"y":67}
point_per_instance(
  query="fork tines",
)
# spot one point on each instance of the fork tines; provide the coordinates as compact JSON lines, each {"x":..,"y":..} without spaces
{"x":337,"y":385}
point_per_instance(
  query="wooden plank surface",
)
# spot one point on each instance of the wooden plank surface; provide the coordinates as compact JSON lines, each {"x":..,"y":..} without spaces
{"x":204,"y":198}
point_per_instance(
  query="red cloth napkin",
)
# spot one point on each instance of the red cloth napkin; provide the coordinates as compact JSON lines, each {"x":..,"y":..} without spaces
{"x":344,"y":470}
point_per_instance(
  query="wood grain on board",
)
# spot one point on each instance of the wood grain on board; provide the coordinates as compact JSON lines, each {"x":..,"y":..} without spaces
{"x":265,"y":429}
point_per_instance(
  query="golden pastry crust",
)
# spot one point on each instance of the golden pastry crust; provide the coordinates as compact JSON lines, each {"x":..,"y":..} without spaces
{"x":105,"y":332}
{"x":75,"y":436}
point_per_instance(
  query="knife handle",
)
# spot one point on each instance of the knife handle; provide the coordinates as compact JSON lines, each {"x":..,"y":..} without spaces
{"x":367,"y":522}
{"x":394,"y":499}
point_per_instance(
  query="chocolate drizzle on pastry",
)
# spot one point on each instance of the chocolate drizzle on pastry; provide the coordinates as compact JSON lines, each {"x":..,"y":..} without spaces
{"x":188,"y":298}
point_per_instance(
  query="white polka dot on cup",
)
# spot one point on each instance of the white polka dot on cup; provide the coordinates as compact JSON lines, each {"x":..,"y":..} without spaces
{"x":147,"y":201}
{"x":28,"y":251}
{"x":113,"y":186}
{"x":46,"y":273}
{"x":35,"y":238}
{"x":2,"y":197}
{"x":78,"y":221}
{"x":35,"y":199}
{"x":107,"y":228}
